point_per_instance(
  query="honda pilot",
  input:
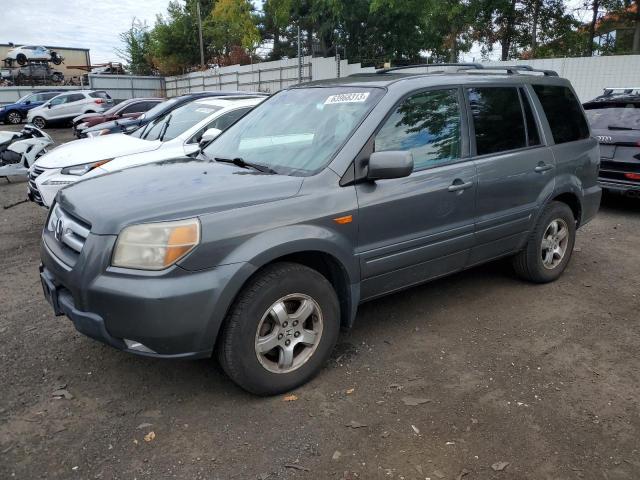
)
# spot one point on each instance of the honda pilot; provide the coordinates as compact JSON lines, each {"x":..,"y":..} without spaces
{"x":324,"y":196}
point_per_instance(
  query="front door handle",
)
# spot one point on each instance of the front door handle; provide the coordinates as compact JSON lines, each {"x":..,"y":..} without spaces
{"x":459,"y":185}
{"x":543,"y":167}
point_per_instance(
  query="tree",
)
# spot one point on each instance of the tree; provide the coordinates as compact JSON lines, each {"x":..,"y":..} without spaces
{"x":135,"y":52}
{"x":231,"y":24}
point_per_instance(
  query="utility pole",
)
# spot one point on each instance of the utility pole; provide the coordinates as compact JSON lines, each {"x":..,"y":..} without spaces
{"x":200,"y":35}
{"x":299,"y":57}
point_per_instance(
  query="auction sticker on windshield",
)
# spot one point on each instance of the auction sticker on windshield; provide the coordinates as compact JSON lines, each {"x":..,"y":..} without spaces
{"x":356,"y":97}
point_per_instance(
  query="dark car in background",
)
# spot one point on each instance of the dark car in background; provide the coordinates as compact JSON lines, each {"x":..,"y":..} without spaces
{"x":128,"y":109}
{"x":14,"y":113}
{"x":615,"y":123}
{"x":129,"y":125}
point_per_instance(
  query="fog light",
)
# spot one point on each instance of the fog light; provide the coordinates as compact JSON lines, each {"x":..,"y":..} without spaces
{"x":137,"y":346}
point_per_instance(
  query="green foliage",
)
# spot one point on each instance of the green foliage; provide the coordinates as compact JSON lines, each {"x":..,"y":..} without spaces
{"x":136,"y":46}
{"x":231,"y":24}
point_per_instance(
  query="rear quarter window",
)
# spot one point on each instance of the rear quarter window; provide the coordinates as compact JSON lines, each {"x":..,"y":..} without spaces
{"x":563,"y":113}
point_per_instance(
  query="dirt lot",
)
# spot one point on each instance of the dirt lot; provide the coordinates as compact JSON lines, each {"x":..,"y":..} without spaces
{"x":546,"y":378}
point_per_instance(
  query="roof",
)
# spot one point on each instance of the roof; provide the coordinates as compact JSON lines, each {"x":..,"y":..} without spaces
{"x":224,"y":102}
{"x":16,"y":45}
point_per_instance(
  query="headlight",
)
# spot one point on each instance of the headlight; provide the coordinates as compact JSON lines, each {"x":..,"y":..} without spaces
{"x":81,"y":126}
{"x":155,"y":246}
{"x":84,"y":168}
{"x":104,"y":131}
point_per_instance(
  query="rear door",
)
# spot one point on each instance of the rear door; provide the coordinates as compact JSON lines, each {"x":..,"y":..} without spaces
{"x":515,"y":169}
{"x":419,"y":227}
{"x":58,"y":107}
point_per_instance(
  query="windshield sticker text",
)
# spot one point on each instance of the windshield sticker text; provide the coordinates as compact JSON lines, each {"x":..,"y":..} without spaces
{"x":356,"y":97}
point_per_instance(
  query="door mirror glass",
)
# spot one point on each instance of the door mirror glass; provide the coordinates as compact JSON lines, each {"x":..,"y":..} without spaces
{"x":28,"y":102}
{"x":209,"y":135}
{"x":390,"y":164}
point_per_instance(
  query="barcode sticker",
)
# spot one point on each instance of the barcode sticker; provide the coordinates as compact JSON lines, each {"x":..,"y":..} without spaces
{"x":356,"y":97}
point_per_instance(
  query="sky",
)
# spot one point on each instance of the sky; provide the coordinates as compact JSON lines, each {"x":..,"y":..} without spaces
{"x":97,"y":24}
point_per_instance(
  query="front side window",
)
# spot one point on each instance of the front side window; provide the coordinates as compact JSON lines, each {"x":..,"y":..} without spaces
{"x":563,"y":113}
{"x":428,"y":125}
{"x":297,"y":131}
{"x":497,"y":119}
{"x":133,"y":108}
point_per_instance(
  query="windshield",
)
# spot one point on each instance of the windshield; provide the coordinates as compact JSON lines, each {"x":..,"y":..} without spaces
{"x":25,"y":98}
{"x":160,"y":108}
{"x":297,"y":131}
{"x":623,"y":116}
{"x":174,"y":123}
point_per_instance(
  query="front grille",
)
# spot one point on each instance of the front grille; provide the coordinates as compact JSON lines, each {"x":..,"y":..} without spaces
{"x":69,"y":234}
{"x":35,"y":172}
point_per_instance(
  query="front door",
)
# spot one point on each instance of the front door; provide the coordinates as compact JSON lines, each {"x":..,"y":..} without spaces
{"x":422,"y":226}
{"x":516,"y":170}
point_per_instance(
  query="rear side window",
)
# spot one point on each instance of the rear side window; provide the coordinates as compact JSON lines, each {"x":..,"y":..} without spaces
{"x":428,"y":125}
{"x":75,"y":97}
{"x":133,"y":108}
{"x":100,"y":95}
{"x":497,"y":119}
{"x":563,"y":113}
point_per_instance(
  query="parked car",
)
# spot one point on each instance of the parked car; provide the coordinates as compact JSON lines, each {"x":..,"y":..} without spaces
{"x":322,"y":197}
{"x":175,"y":134}
{"x":27,"y":53}
{"x":132,"y":108}
{"x":131,"y":125}
{"x":68,"y":105}
{"x":14,"y":113}
{"x":615,"y":122}
{"x":36,"y":72}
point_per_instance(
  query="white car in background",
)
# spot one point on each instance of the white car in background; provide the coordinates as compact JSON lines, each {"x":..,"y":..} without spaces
{"x":26,"y":53}
{"x":68,"y":105}
{"x":178,"y":133}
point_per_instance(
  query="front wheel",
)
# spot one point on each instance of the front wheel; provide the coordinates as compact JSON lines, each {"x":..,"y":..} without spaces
{"x":550,"y":245}
{"x":281,"y":329}
{"x":21,"y":58}
{"x":14,"y":118}
{"x":39,"y":122}
{"x":55,"y":58}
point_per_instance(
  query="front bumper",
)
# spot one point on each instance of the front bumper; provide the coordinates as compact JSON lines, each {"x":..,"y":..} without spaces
{"x":174,"y":313}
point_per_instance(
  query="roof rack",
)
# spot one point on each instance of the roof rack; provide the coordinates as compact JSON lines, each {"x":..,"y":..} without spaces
{"x":511,"y":69}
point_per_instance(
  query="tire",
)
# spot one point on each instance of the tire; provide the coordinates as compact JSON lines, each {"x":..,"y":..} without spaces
{"x":21,"y":58}
{"x":57,"y":77}
{"x":278,"y":286}
{"x":39,"y":122}
{"x":55,"y":58}
{"x":546,"y":256}
{"x":13,"y":117}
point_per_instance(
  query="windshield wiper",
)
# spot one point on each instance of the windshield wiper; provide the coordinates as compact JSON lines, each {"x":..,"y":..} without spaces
{"x":621,"y":127}
{"x":244,"y":164}
{"x":165,"y":127}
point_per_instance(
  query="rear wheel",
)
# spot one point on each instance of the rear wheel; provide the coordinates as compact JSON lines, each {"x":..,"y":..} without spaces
{"x":550,"y":245}
{"x":281,"y":329}
{"x":39,"y":122}
{"x":14,"y":117}
{"x":21,"y":58}
{"x":55,"y":58}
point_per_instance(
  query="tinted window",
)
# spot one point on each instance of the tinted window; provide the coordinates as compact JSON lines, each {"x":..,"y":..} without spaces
{"x":100,"y":95}
{"x":614,"y":116}
{"x":75,"y":97}
{"x":533,"y":137}
{"x":47,"y":96}
{"x":497,"y":119}
{"x":133,"y":108}
{"x":563,"y":113}
{"x":428,"y":125}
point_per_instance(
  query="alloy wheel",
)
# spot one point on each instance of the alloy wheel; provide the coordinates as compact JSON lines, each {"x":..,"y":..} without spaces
{"x":554,"y":243}
{"x":14,"y":118}
{"x":289,"y":333}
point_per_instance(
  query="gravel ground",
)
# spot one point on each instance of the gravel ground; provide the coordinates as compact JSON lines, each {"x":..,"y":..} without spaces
{"x":476,"y":376}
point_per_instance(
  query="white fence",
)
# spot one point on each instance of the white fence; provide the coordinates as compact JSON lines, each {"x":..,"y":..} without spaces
{"x":266,"y":77}
{"x":589,"y":76}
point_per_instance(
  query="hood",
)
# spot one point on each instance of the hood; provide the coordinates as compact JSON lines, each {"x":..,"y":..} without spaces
{"x":86,"y":116}
{"x":89,"y":150}
{"x":178,"y":188}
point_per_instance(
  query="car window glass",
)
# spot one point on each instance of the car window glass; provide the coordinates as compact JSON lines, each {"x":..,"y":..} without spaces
{"x":221,"y":123}
{"x":614,"y":115}
{"x":427,"y":125}
{"x":176,"y":122}
{"x":563,"y":113}
{"x":533,"y":136}
{"x":100,"y":95}
{"x":133,"y":108}
{"x":75,"y":97}
{"x":47,"y":96}
{"x":497,"y":119}
{"x":60,"y":100}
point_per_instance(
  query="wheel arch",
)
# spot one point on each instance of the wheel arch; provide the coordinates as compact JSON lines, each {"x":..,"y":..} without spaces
{"x":573,"y":201}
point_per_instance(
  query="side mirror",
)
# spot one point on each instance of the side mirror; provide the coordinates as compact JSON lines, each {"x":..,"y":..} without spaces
{"x":28,"y":102}
{"x":209,"y":135}
{"x":391,"y":164}
{"x":48,"y":105}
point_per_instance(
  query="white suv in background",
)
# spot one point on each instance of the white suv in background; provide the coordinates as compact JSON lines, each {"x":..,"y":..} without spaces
{"x":68,"y":105}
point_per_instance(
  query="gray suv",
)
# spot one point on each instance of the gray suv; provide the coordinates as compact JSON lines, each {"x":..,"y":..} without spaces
{"x":325,"y":196}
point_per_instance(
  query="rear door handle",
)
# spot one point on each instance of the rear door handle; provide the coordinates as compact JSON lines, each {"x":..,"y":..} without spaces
{"x":543,"y":167}
{"x":459,"y":185}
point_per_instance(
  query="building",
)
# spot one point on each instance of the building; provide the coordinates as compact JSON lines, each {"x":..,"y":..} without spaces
{"x":75,"y":57}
